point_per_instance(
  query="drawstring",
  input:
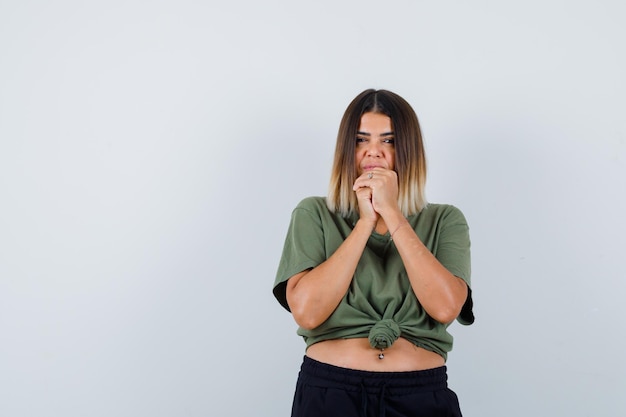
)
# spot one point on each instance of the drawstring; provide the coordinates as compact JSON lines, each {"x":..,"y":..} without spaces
{"x":363,"y":399}
{"x":381,"y":400}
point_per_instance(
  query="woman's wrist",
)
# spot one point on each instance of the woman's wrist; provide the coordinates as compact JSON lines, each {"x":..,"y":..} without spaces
{"x":369,"y":225}
{"x":400,"y":226}
{"x":394,"y":220}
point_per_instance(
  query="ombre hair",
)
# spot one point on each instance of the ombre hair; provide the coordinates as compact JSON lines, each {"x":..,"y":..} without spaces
{"x":410,"y":161}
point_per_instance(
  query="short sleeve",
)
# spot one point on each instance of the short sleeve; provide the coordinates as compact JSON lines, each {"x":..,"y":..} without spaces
{"x":453,"y":251}
{"x":303,"y":248}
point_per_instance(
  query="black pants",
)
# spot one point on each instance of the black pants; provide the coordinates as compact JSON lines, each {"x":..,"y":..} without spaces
{"x":327,"y":391}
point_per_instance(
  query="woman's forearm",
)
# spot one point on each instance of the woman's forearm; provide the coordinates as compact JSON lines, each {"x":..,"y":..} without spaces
{"x":314,"y":294}
{"x":440,"y":292}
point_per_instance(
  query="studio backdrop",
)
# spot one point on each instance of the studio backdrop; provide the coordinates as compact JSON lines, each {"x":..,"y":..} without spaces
{"x":151,"y":153}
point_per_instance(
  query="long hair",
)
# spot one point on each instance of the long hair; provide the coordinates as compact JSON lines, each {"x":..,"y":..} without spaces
{"x":410,"y":161}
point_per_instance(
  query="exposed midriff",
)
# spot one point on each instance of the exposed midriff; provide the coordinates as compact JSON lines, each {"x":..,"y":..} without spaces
{"x":357,"y":353}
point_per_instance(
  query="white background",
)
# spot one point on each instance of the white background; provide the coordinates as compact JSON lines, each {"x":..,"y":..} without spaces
{"x":151,"y":153}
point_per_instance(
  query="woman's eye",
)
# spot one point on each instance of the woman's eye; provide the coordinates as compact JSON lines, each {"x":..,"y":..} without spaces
{"x":390,"y":141}
{"x":360,"y":140}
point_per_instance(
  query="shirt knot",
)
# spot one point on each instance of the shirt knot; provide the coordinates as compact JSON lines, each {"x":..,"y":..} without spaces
{"x":383,"y":334}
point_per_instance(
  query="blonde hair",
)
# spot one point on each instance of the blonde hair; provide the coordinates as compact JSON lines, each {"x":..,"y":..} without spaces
{"x":410,"y":161}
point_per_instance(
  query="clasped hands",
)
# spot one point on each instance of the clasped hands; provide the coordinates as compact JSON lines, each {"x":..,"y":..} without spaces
{"x":377,"y":193}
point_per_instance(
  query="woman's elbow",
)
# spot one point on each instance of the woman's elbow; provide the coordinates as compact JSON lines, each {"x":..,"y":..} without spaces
{"x":445,"y":316}
{"x":308,"y":324}
{"x":447,"y":312}
{"x":451,"y":306}
{"x":303,"y":312}
{"x":305,"y":319}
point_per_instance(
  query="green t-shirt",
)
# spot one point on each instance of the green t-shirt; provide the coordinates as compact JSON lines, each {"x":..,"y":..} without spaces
{"x":380,"y":297}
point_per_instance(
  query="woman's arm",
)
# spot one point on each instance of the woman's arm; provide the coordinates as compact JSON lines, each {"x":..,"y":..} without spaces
{"x":440,"y":292}
{"x":314,"y":294}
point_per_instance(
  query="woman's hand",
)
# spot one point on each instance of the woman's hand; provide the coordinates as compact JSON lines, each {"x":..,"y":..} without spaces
{"x":366,"y":209}
{"x":377,"y":192}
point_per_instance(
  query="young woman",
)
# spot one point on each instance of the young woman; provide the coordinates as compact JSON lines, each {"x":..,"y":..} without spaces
{"x":373,"y":275}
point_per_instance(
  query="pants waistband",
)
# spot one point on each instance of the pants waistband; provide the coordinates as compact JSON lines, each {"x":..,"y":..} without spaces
{"x":426,"y":380}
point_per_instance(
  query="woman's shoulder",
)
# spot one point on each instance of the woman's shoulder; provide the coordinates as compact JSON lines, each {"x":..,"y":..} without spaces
{"x":448,"y":212}
{"x":313,"y":202}
{"x":316,"y":207}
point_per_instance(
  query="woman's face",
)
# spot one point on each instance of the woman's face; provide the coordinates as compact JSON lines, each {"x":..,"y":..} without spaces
{"x":375,"y":143}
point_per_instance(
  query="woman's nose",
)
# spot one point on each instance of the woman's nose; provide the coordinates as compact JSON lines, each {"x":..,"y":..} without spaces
{"x":373,"y":149}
